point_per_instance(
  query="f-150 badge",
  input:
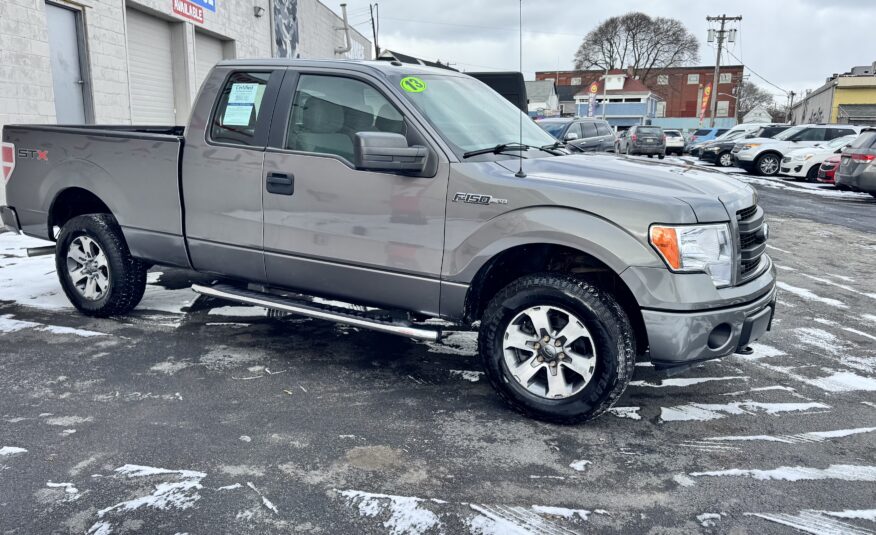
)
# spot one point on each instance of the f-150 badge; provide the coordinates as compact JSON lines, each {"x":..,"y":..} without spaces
{"x":477,"y":198}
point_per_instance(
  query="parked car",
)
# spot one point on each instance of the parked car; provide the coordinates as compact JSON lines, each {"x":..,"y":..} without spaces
{"x":827,"y":169}
{"x":804,"y":163}
{"x":719,"y":151}
{"x":857,"y":170}
{"x":674,"y":142}
{"x":701,"y":136}
{"x":288,"y":188}
{"x":700,"y":149}
{"x":763,"y":156}
{"x":585,"y":134}
{"x":640,"y":139}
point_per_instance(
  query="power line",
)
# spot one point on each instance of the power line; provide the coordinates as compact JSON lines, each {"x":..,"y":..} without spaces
{"x":784,"y":91}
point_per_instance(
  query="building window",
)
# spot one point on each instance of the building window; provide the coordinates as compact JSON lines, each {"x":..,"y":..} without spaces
{"x":662,"y":79}
{"x":693,"y":78}
{"x":661,"y":109}
{"x":725,"y":78}
{"x":576,"y":80}
{"x":723,"y":108}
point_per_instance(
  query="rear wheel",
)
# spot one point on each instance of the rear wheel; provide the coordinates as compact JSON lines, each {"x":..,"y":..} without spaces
{"x":725,"y":159}
{"x":95,"y":267}
{"x":767,"y":165}
{"x":557,"y":348}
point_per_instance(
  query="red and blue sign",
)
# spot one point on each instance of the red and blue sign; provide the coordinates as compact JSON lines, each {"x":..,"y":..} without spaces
{"x":206,"y":4}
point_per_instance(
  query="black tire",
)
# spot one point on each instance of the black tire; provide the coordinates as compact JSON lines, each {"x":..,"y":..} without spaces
{"x":812,"y":174}
{"x":126,"y":274}
{"x":661,"y":156}
{"x":613,"y":341}
{"x":761,"y":163}
{"x":722,"y":161}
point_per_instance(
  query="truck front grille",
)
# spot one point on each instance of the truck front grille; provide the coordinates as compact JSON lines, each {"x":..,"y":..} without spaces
{"x":752,"y":241}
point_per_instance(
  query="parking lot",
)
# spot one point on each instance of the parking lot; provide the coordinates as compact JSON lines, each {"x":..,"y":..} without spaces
{"x":194,"y":415}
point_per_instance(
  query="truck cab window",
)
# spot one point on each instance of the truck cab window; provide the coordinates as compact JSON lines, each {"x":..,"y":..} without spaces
{"x":328,"y":111}
{"x":238,"y":112}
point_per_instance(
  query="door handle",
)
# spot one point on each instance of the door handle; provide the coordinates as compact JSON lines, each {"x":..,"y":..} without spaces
{"x":280,"y":183}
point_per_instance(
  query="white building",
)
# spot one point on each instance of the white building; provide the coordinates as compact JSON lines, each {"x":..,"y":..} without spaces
{"x":543,"y":100}
{"x":758,"y":114}
{"x":142,"y":61}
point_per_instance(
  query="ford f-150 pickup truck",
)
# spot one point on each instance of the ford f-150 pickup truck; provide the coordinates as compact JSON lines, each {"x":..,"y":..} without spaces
{"x":413,"y":193}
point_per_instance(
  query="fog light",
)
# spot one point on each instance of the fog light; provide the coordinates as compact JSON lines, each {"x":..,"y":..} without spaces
{"x":720,"y":335}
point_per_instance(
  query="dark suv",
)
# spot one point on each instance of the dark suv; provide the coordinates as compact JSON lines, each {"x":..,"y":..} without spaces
{"x":585,"y":134}
{"x":857,"y":170}
{"x":642,"y":139}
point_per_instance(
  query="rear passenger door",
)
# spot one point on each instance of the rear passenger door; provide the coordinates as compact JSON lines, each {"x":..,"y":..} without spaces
{"x":589,"y":141}
{"x":222,"y":171}
{"x":332,"y":230}
{"x":606,"y":136}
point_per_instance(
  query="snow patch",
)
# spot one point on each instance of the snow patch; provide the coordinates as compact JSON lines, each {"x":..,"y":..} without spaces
{"x":68,"y":421}
{"x":579,"y":466}
{"x":239,"y":312}
{"x":845,"y":382}
{"x":863,"y":514}
{"x":626,"y":412}
{"x":713,"y":411}
{"x":468,"y":375}
{"x":810,"y":296}
{"x":707,"y":520}
{"x":682,"y":382}
{"x":843,"y":472}
{"x":811,"y":521}
{"x":181,"y":494}
{"x":11,"y":450}
{"x":406,"y":516}
{"x":811,"y":436}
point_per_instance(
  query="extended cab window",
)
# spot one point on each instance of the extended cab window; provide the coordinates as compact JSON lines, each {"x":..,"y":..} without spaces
{"x":239,"y":108}
{"x":328,"y":111}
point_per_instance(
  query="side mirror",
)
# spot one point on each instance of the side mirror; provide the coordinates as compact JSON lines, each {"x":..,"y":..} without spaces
{"x":385,"y":151}
{"x":571,"y":136}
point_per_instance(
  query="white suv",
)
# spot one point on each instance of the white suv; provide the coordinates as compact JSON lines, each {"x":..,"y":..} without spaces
{"x":763,"y":156}
{"x":804,"y":163}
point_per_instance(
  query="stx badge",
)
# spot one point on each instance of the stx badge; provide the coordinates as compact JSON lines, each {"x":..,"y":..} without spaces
{"x":33,"y":154}
{"x":477,"y":198}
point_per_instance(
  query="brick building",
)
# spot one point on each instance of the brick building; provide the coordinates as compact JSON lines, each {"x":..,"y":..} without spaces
{"x":680,"y":88}
{"x":142,"y":61}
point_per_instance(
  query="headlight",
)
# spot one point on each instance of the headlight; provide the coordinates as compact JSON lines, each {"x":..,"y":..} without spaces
{"x":808,"y":157}
{"x":750,"y":146}
{"x":696,"y":248}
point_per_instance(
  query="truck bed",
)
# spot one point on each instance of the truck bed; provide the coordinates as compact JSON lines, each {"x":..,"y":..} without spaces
{"x":128,"y":168}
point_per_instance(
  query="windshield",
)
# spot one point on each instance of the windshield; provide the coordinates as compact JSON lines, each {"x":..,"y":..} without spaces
{"x":731,"y":135}
{"x":703,"y":132}
{"x":553,"y":128}
{"x":783,"y":136}
{"x":840,"y":142}
{"x":650,"y":130}
{"x":471,"y":116}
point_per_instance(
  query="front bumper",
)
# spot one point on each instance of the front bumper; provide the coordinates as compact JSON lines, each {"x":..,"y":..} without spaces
{"x":10,"y":219}
{"x":794,"y":168}
{"x":709,"y":156}
{"x":679,"y":339}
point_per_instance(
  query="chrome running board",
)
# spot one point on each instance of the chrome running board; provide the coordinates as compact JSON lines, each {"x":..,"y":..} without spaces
{"x":366,"y":320}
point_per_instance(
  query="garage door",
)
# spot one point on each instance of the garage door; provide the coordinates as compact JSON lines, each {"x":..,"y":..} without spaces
{"x":208,"y":52}
{"x":151,"y":70}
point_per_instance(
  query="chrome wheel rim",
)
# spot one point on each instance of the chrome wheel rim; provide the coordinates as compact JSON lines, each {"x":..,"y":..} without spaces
{"x":726,"y":160}
{"x":769,"y":165}
{"x":88,"y":268}
{"x":549,"y":352}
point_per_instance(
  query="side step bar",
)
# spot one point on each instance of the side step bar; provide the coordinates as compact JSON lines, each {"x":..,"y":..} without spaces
{"x":323,"y":312}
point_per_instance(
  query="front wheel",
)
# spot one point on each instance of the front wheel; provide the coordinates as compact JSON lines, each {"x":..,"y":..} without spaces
{"x":557,"y":348}
{"x":767,"y":165}
{"x":725,"y":159}
{"x":95,"y":267}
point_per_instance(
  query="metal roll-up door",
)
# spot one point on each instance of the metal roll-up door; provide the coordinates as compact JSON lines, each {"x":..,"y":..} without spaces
{"x":208,"y":52}
{"x":150,"y":60}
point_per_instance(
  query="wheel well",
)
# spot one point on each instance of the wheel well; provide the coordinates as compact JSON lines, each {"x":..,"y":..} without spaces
{"x":74,"y":202}
{"x":523,"y":260}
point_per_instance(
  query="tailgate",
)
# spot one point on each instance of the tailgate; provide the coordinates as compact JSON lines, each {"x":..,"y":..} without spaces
{"x":135,"y":174}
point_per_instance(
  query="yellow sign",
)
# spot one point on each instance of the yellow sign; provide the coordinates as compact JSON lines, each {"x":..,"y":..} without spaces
{"x":412,"y":84}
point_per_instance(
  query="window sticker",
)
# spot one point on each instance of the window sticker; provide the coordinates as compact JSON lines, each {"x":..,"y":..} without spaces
{"x":243,"y":93}
{"x":237,"y":115}
{"x":412,"y":84}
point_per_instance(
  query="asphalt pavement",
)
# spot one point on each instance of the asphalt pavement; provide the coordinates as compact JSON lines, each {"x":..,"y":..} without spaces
{"x":193,"y":415}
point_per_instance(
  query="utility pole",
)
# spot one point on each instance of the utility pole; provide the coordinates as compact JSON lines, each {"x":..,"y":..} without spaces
{"x":374,"y":8}
{"x":791,"y":96}
{"x":722,"y":33}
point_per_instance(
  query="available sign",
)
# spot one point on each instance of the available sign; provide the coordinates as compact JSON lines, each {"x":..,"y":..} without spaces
{"x":206,"y":4}
{"x":188,"y":10}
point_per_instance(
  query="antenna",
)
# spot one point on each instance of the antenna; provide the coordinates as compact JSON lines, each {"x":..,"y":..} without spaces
{"x":520,"y":173}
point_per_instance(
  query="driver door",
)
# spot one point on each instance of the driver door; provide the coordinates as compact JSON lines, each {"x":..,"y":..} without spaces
{"x":332,"y":230}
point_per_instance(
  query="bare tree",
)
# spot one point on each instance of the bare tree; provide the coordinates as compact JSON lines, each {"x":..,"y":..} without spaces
{"x":637,"y":41}
{"x":751,"y":97}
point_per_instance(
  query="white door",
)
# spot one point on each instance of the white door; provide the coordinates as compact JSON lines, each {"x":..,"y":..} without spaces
{"x":208,"y":52}
{"x":67,"y":79}
{"x":150,"y":60}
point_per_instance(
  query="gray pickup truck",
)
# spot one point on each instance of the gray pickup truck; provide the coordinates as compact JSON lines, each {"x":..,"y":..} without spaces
{"x":414,"y":194}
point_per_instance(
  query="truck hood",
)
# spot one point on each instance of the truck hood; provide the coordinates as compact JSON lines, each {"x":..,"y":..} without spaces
{"x":707,"y":192}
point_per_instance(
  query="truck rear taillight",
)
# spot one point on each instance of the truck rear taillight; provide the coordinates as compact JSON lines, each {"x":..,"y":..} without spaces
{"x":7,"y":160}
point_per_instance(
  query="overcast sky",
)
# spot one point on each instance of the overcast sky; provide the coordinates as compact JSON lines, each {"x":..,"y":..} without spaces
{"x":794,"y":44}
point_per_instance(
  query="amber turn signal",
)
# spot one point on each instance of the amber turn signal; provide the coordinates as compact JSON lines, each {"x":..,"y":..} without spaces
{"x":665,"y":240}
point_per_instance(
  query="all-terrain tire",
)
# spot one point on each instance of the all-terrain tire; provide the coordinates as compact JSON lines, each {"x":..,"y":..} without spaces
{"x":126,"y":274}
{"x":609,"y":326}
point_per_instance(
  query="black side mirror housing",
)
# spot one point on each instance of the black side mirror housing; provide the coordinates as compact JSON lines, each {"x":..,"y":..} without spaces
{"x":386,"y":151}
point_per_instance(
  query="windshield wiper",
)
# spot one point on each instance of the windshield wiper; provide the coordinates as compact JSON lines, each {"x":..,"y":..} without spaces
{"x":500,"y":148}
{"x":505,"y":147}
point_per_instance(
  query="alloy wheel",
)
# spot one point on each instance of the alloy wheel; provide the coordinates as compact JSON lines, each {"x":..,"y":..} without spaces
{"x":88,"y":268}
